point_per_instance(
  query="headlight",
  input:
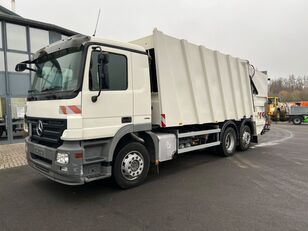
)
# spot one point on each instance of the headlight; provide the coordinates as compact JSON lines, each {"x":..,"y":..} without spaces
{"x":62,"y":158}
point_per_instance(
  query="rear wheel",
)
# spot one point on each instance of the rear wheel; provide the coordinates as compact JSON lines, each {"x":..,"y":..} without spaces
{"x":245,"y":138}
{"x":131,"y":165}
{"x":297,"y":120}
{"x":228,"y":142}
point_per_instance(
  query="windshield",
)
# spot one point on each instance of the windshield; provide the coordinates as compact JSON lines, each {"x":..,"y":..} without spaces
{"x":58,"y":71}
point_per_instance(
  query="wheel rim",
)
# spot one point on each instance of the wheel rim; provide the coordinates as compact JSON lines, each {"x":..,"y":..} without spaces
{"x":230,"y":142}
{"x":246,"y":138}
{"x":132,"y":165}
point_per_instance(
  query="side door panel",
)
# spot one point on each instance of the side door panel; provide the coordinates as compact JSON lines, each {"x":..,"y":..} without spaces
{"x":104,"y":117}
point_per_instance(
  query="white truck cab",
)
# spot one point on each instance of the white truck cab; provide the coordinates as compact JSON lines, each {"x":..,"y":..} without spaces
{"x":99,"y":108}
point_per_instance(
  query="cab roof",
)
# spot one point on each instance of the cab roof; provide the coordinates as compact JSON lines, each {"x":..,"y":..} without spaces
{"x":81,"y":40}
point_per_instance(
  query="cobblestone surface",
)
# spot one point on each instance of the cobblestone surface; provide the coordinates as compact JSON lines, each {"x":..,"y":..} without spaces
{"x":12,"y":155}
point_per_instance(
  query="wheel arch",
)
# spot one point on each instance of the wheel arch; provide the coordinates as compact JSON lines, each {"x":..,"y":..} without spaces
{"x":225,"y":125}
{"x":250,"y":124}
{"x":127,"y":134}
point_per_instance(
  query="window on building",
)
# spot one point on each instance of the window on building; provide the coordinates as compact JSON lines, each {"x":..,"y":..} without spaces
{"x":2,"y":61}
{"x":15,"y":58}
{"x":38,"y":39}
{"x":117,"y":69}
{"x":16,"y":37}
{"x":1,"y":35}
{"x":2,"y":88}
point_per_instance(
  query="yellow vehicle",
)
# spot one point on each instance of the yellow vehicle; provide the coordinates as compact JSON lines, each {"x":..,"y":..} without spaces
{"x":271,"y":105}
{"x":276,"y":110}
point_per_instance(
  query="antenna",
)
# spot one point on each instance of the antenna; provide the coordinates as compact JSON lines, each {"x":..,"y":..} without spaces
{"x":13,"y":6}
{"x":99,"y":13}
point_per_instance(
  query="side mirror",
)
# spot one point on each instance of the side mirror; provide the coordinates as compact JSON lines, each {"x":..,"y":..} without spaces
{"x":103,"y":60}
{"x":20,"y":67}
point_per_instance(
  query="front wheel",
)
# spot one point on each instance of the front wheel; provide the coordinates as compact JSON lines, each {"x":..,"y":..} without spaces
{"x":297,"y":120}
{"x":245,"y":138}
{"x":131,"y":165}
{"x":228,"y":142}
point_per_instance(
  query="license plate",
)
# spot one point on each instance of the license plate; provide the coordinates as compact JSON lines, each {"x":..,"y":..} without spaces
{"x":39,"y":151}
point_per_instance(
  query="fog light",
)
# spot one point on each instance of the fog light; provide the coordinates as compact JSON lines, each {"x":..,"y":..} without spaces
{"x":62,"y":158}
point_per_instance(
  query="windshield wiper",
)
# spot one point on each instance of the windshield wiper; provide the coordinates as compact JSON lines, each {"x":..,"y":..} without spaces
{"x":52,"y":88}
{"x":32,"y":90}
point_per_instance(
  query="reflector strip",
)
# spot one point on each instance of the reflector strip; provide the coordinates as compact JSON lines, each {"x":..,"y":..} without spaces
{"x":72,"y":109}
{"x":75,"y":109}
{"x":163,"y":120}
{"x":63,"y":110}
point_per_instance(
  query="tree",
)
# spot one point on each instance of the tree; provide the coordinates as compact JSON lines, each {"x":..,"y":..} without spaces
{"x":290,"y":89}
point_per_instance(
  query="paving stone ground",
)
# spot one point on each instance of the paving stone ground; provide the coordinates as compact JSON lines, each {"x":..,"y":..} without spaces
{"x":12,"y":155}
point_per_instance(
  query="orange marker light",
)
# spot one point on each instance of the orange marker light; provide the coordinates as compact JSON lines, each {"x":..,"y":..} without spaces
{"x":78,"y":155}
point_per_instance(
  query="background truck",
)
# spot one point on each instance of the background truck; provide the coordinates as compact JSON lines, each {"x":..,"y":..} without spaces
{"x":298,"y":114}
{"x":18,"y":113}
{"x":301,"y":103}
{"x":101,"y":108}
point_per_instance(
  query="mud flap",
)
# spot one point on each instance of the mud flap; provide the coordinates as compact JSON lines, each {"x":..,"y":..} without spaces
{"x":254,"y":139}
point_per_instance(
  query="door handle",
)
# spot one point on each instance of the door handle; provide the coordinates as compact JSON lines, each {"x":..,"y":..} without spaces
{"x":126,"y":119}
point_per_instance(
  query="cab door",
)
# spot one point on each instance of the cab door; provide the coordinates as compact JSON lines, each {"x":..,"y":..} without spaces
{"x":114,"y":107}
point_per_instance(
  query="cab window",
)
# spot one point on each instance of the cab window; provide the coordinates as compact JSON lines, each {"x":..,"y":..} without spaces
{"x":117,"y":69}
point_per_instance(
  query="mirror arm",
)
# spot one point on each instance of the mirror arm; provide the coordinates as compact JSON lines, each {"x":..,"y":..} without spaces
{"x":94,"y":97}
{"x":31,"y":69}
{"x":102,"y":77}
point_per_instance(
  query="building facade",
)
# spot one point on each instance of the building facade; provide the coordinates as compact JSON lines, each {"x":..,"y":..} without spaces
{"x":19,"y":39}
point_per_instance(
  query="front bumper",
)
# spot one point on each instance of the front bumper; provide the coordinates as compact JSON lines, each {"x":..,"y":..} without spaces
{"x":43,"y":159}
{"x":78,"y":171}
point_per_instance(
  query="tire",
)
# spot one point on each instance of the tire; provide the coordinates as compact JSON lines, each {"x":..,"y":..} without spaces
{"x":278,"y":116}
{"x":297,"y":120}
{"x":131,"y":165}
{"x":282,"y":115}
{"x":245,"y":138}
{"x":228,"y":142}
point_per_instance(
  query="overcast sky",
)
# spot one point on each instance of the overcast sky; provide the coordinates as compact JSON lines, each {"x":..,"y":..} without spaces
{"x":272,"y":34}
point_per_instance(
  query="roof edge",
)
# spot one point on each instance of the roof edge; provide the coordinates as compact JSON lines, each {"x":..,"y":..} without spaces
{"x":41,"y":25}
{"x":7,"y":11}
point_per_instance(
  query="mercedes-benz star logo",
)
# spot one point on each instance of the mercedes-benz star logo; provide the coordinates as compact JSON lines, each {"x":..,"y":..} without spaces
{"x":39,"y":128}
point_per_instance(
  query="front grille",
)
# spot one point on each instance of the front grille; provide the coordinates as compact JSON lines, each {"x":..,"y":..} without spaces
{"x":51,"y":132}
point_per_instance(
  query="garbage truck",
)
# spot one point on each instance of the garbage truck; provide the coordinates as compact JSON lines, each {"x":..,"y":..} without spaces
{"x":99,"y":108}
